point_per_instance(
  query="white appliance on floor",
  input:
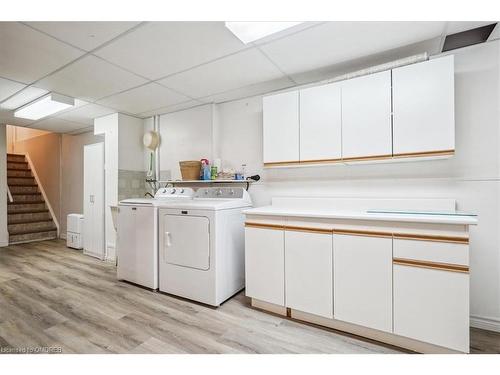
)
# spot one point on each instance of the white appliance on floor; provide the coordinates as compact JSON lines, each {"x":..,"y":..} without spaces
{"x":137,"y":235}
{"x":202,"y":245}
{"x":74,"y":231}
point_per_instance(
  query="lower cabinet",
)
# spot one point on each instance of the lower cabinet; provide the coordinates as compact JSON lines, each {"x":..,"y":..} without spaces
{"x":308,"y":272}
{"x":265,"y":264}
{"x":432,"y":305}
{"x":362,"y":269}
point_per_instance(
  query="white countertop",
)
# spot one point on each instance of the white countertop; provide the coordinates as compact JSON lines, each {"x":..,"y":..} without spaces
{"x":436,"y":218}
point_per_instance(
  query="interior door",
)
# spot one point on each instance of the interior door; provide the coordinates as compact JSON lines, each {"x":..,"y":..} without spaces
{"x":93,"y":201}
{"x":186,"y":241}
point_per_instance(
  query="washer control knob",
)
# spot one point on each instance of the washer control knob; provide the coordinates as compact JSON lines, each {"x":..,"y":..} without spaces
{"x":231,"y":191}
{"x":182,"y":191}
{"x":173,"y":191}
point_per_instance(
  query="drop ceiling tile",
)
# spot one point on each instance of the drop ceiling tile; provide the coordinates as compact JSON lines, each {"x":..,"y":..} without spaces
{"x":144,"y":98}
{"x":159,"y":49}
{"x":23,"y":97}
{"x":171,"y":108}
{"x":91,"y":78}
{"x":86,"y":114}
{"x":85,"y":35}
{"x":57,"y":125}
{"x":335,"y":42}
{"x":238,"y":70}
{"x":251,"y":90}
{"x":7,"y":117}
{"x":27,"y":55}
{"x":8,"y":88}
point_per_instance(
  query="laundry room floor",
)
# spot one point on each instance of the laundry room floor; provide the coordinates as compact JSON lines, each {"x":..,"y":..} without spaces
{"x":52,"y":296}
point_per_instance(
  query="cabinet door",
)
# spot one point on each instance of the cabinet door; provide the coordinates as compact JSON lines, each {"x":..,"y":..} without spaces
{"x":308,"y":272}
{"x":423,"y":105}
{"x":126,"y":242}
{"x":366,"y":116}
{"x":432,"y":306}
{"x":320,"y":123}
{"x":281,"y":127}
{"x":362,"y":272}
{"x":265,"y":265}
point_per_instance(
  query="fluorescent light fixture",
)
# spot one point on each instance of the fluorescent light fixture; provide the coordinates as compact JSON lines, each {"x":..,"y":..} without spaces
{"x":251,"y":31}
{"x":45,"y":106}
{"x":21,"y":98}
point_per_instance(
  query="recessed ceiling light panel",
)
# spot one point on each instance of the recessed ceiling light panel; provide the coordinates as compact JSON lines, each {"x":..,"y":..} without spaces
{"x":45,"y":106}
{"x":249,"y":32}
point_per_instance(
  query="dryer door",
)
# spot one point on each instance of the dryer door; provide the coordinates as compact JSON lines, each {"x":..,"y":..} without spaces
{"x":186,"y":241}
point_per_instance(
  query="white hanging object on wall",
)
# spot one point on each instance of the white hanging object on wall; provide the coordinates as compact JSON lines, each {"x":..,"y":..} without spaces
{"x":151,"y":140}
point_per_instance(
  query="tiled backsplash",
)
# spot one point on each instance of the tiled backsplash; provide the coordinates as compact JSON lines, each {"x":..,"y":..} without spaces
{"x":131,"y":184}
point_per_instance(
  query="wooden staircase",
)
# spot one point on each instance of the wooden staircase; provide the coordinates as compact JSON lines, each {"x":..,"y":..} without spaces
{"x":28,"y":217}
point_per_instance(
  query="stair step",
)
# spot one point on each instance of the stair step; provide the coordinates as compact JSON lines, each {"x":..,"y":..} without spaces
{"x":24,"y":185}
{"x":25,"y":207}
{"x":34,"y":227}
{"x":29,"y":237}
{"x":27,"y":217}
{"x":23,"y":189}
{"x":26,"y":202}
{"x":19,"y":165}
{"x":27,"y":197}
{"x":15,"y":157}
{"x":23,"y":181}
{"x":18,"y":172}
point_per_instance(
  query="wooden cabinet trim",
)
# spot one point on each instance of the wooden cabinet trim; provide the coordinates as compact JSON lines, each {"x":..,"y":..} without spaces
{"x":431,"y":238}
{"x":424,"y":154}
{"x":362,"y":233}
{"x":431,"y":265}
{"x":363,"y":158}
{"x":371,"y":157}
{"x":308,"y":229}
{"x":264,"y":226}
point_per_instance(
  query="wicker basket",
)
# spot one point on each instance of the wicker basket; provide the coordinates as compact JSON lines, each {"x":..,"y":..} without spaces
{"x":190,"y":169}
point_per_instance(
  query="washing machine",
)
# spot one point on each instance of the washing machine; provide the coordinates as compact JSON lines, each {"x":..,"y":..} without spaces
{"x":137,"y":235}
{"x":202,"y":245}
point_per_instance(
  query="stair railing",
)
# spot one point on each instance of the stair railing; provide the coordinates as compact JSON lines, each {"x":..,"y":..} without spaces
{"x":40,"y":186}
{"x":9,"y":195}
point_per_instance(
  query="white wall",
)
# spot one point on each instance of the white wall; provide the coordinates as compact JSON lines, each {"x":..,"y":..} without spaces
{"x":472,"y":176}
{"x":185,"y":135}
{"x":72,"y":173}
{"x":123,"y":150}
{"x":4,"y":235}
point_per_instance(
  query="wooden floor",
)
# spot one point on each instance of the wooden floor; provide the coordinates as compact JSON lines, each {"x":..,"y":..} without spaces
{"x":52,"y":296}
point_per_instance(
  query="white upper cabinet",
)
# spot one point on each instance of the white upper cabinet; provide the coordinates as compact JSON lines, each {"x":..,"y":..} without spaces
{"x":281,"y":127}
{"x":423,"y":104}
{"x":321,"y":123}
{"x":366,"y":116}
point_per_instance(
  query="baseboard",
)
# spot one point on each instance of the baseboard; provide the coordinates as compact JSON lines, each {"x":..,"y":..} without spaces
{"x":62,"y":236}
{"x":4,"y":243}
{"x":489,"y":324}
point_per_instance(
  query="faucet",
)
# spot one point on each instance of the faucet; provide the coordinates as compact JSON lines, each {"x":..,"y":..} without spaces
{"x":148,"y":193}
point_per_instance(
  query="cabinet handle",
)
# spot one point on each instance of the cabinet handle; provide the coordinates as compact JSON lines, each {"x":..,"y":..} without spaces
{"x":167,"y":239}
{"x":431,"y":265}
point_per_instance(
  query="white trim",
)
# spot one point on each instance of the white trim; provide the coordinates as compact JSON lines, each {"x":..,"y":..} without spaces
{"x":4,"y":243}
{"x":482,"y":322}
{"x":63,"y":236}
{"x":40,"y":186}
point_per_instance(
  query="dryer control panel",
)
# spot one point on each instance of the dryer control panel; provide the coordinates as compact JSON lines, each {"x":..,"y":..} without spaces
{"x":221,"y":193}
